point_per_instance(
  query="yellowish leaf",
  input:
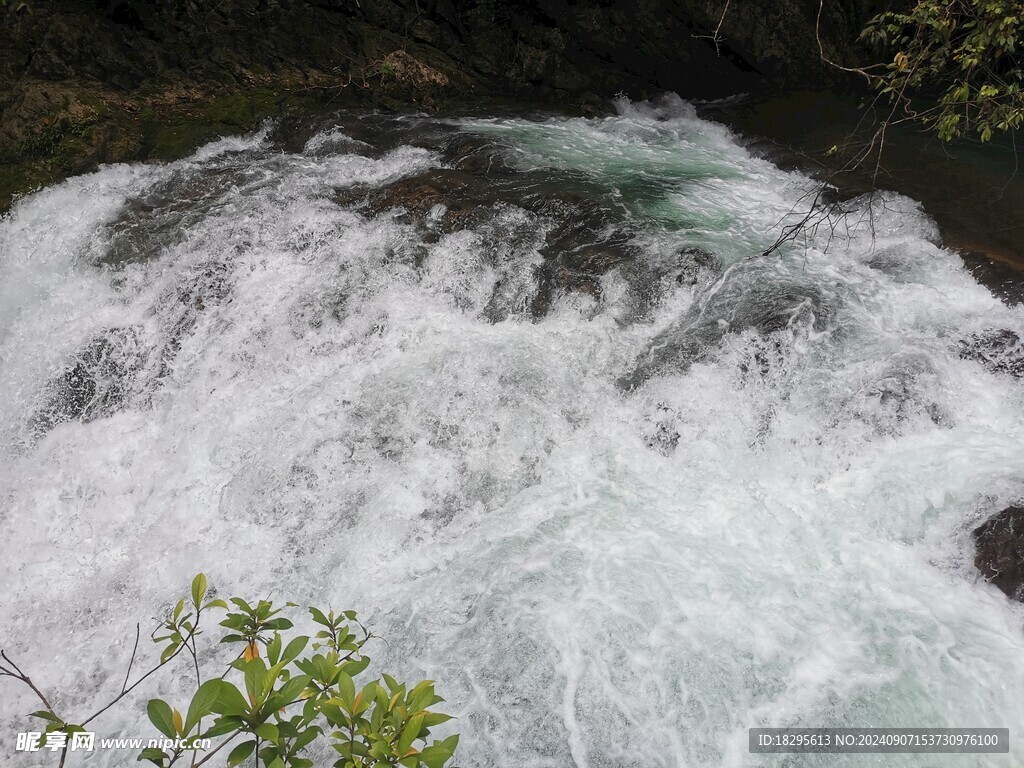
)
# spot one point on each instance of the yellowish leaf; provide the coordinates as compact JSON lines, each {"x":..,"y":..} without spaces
{"x":177,"y":721}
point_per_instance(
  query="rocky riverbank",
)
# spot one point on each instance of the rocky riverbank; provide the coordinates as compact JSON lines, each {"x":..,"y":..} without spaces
{"x":86,"y":83}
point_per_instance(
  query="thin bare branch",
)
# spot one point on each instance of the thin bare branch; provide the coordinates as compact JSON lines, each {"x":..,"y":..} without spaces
{"x":138,"y":628}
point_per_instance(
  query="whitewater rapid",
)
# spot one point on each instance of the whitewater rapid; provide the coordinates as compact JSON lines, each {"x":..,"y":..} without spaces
{"x":617,"y":532}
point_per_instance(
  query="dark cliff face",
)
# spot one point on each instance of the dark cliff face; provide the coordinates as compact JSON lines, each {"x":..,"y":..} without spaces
{"x":515,"y":46}
{"x":88,"y":82}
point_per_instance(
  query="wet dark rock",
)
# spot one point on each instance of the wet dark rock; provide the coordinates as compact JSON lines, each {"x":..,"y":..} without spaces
{"x":586,"y":242}
{"x":903,"y":392}
{"x":892,"y":262}
{"x":743,"y":303}
{"x":116,"y":366}
{"x":998,"y":349}
{"x":99,"y":380}
{"x":649,"y":280}
{"x":160,"y":218}
{"x":204,"y":286}
{"x":580,"y":224}
{"x":999,"y":553}
{"x":126,"y":75}
{"x":662,"y":433}
{"x":694,"y":265}
{"x":1003,"y":276}
{"x":474,"y":155}
{"x":419,"y":195}
{"x":763,"y":355}
{"x":510,"y":244}
{"x":584,"y":238}
{"x":326,"y":134}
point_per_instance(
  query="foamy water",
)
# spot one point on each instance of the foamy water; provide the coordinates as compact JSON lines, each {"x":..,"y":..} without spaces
{"x":618,"y":534}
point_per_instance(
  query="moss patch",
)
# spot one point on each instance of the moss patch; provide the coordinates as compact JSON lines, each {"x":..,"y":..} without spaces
{"x":159,"y":124}
{"x":170,"y":132}
{"x":44,"y":155}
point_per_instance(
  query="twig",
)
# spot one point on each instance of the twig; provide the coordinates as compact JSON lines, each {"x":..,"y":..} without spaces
{"x":138,"y":682}
{"x":130,"y":663}
{"x":714,"y":36}
{"x":24,"y":678}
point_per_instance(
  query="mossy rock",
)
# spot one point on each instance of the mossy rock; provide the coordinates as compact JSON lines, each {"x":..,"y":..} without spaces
{"x":172,"y":132}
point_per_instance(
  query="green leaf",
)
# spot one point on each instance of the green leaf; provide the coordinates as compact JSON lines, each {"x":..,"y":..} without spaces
{"x":435,"y":756}
{"x":156,"y":756}
{"x":239,"y":753}
{"x":274,"y":649}
{"x":236,"y":621}
{"x":435,"y":718}
{"x":198,"y":589}
{"x":294,"y":648}
{"x":356,"y":666}
{"x":223,"y":725}
{"x":230,"y":701}
{"x":202,"y":702}
{"x":281,"y":623}
{"x":267,"y":731}
{"x":440,"y":752}
{"x":161,"y":715}
{"x":318,"y":617}
{"x":168,"y":652}
{"x":306,"y":737}
{"x":290,"y":691}
{"x":409,"y":733}
{"x":346,"y":689}
{"x":255,"y":672}
{"x":46,"y":715}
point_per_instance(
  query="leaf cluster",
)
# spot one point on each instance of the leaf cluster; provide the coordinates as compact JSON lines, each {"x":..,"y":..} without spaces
{"x":282,"y":694}
{"x":966,"y":52}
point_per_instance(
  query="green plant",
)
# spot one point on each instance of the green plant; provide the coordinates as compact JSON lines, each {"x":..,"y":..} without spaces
{"x":965,"y":55}
{"x":967,"y":52}
{"x":279,"y":696}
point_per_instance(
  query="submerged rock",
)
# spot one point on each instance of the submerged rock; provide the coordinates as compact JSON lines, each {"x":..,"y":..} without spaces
{"x":743,"y":302}
{"x":586,"y":242}
{"x":416,"y":194}
{"x":1000,"y":551}
{"x":441,"y":200}
{"x":998,"y":349}
{"x":904,"y":390}
{"x":583,"y":238}
{"x":159,"y":218}
{"x":97,"y":383}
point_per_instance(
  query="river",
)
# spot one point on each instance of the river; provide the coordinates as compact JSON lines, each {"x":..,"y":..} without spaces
{"x":624,"y":486}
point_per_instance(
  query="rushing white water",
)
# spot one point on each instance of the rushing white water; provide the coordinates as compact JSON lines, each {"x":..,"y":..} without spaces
{"x":619,"y":534}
